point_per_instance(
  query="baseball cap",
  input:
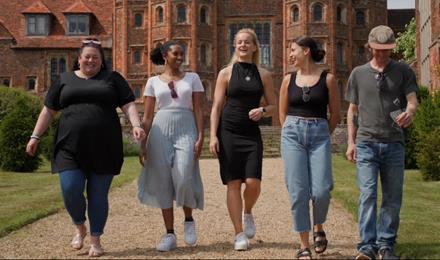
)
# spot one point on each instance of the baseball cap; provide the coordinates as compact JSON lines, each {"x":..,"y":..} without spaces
{"x":382,"y":38}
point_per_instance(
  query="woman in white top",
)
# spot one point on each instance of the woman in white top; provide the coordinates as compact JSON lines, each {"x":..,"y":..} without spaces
{"x":175,"y":136}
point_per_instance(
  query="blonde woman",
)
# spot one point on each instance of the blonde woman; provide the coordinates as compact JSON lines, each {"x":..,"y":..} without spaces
{"x":235,"y":137}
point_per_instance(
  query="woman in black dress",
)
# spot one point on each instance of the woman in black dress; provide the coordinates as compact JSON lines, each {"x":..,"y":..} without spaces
{"x":235,"y":135}
{"x":88,"y":142}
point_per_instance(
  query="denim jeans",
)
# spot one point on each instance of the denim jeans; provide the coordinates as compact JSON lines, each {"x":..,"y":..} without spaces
{"x":73,"y":183}
{"x":306,"y":152}
{"x":386,"y":160}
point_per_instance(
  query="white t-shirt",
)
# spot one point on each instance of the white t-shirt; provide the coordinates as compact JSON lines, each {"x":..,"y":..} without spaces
{"x":184,"y":87}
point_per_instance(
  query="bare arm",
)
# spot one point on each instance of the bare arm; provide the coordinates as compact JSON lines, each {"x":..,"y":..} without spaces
{"x":40,"y":128}
{"x":352,"y":125}
{"x":406,"y":118}
{"x":133,"y":115}
{"x":283,"y":100}
{"x":217,"y":106}
{"x":198,"y":113}
{"x":334,"y":102}
{"x":149,"y":103}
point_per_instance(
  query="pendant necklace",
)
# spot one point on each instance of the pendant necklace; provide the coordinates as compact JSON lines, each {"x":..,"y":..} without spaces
{"x":247,"y":74}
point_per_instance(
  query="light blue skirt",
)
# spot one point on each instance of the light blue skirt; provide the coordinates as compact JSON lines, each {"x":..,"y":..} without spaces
{"x":170,"y":172}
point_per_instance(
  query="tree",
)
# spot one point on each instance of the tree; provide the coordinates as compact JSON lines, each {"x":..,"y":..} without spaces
{"x":406,"y":42}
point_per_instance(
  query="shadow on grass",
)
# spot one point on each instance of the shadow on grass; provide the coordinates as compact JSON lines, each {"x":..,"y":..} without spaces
{"x":418,"y":251}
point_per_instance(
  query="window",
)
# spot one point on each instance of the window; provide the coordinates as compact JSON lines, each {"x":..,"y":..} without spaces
{"x":203,"y":54}
{"x":181,"y":14}
{"x":339,"y":54}
{"x":31,"y":82}
{"x":159,"y":15}
{"x":37,"y":24}
{"x":207,"y":89}
{"x":339,"y":14}
{"x":295,"y":14}
{"x":137,"y":59}
{"x":137,"y":90}
{"x":360,"y":17}
{"x":204,"y":15}
{"x":317,"y":12}
{"x":78,"y":24}
{"x":138,"y":20}
{"x":361,"y":52}
{"x":263,"y":32}
{"x":57,"y":66}
{"x":341,"y":90}
{"x":185,"y":53}
{"x":6,"y":81}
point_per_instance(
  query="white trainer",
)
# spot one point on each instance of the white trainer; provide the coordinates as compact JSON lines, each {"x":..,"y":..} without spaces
{"x":241,"y":242}
{"x":249,"y":225}
{"x":190,"y":235}
{"x":167,"y":243}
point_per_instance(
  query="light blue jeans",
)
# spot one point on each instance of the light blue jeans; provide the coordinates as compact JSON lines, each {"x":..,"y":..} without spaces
{"x":73,"y":183}
{"x":306,"y":152}
{"x":386,"y":160}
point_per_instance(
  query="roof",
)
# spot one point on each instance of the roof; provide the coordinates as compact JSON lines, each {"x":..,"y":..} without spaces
{"x":12,"y":22}
{"x":36,"y":8}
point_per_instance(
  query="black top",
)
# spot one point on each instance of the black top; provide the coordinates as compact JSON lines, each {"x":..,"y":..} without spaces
{"x":89,"y":135}
{"x":244,"y":93}
{"x":308,"y":101}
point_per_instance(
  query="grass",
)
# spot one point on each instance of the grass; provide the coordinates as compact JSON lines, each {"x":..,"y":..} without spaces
{"x":418,"y":235}
{"x":27,"y":197}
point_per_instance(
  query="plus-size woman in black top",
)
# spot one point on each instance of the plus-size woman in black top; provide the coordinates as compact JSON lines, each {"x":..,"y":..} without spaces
{"x":235,"y":136}
{"x":88,"y":142}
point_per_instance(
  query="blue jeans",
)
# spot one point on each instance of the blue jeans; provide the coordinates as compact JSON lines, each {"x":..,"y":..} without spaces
{"x":306,"y":152}
{"x":73,"y":183}
{"x":386,"y":160}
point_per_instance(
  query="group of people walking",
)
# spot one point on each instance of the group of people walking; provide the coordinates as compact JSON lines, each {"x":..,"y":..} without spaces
{"x":88,"y":142}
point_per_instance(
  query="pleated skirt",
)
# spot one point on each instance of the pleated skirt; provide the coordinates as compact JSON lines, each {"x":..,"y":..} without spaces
{"x":170,"y":172}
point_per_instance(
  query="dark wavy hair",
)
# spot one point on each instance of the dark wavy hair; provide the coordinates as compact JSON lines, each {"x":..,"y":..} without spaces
{"x":309,"y":42}
{"x":91,"y":42}
{"x":156,"y":55}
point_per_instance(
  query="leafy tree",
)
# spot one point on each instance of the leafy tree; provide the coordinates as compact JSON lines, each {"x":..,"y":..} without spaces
{"x":406,"y":42}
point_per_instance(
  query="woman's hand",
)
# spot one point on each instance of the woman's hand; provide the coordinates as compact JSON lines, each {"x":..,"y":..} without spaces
{"x":256,"y":114}
{"x":198,"y":149}
{"x":138,"y":133}
{"x":214,"y":146}
{"x":142,"y":155}
{"x":31,"y":146}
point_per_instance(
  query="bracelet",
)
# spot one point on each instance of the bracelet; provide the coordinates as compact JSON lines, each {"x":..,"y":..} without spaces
{"x":36,"y":137}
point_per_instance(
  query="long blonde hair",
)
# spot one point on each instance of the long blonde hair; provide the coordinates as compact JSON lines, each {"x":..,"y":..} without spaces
{"x":255,"y":55}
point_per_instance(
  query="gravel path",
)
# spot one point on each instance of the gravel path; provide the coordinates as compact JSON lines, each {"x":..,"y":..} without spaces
{"x":133,"y":229}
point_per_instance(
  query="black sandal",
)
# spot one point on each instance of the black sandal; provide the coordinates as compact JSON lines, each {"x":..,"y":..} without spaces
{"x":304,"y":253}
{"x":320,"y":243}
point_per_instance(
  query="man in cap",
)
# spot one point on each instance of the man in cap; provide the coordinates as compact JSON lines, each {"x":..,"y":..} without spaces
{"x":383,"y":102}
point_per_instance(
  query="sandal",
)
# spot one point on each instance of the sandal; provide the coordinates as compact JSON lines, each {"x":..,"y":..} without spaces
{"x":321,"y":244}
{"x":78,"y":241}
{"x":304,"y":253}
{"x":96,"y":250}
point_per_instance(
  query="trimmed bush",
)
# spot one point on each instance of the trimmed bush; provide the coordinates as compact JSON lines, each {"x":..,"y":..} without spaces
{"x":130,"y":147}
{"x":15,"y":129}
{"x":429,"y":156}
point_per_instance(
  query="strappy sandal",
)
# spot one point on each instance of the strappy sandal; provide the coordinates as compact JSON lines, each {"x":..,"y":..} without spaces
{"x":78,"y":241}
{"x":320,"y":244}
{"x":95,"y":250}
{"x":304,"y":253}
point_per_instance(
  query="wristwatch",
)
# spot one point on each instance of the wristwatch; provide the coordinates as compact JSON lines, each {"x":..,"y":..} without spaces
{"x":263,"y":109}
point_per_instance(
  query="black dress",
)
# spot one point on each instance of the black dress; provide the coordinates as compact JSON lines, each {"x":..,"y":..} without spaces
{"x":89,"y":135}
{"x":241,"y":147}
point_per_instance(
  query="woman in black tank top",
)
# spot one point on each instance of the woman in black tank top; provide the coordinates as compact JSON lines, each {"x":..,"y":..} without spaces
{"x":305,"y":98}
{"x":235,"y":135}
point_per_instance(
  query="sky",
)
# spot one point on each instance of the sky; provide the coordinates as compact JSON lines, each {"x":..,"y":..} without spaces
{"x":401,"y":4}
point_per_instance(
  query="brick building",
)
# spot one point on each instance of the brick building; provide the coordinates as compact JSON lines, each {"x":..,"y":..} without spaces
{"x":428,"y":43}
{"x":206,"y":28}
{"x":39,"y":39}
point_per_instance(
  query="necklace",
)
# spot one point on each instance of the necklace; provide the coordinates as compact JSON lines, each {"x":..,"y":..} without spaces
{"x":247,"y":72}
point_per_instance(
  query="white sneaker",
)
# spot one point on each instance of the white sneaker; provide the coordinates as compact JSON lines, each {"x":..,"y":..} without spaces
{"x":167,"y":243}
{"x":189,"y":230}
{"x":249,"y":225}
{"x":241,"y":242}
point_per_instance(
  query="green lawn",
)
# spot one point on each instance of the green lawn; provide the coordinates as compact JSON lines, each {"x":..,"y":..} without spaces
{"x":418,"y":236}
{"x":26,"y":197}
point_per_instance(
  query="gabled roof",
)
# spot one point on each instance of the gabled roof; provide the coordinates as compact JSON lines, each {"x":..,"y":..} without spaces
{"x":36,"y":8}
{"x":78,"y":7}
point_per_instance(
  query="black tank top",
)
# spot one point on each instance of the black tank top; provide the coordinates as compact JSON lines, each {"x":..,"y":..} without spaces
{"x":310,"y":101}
